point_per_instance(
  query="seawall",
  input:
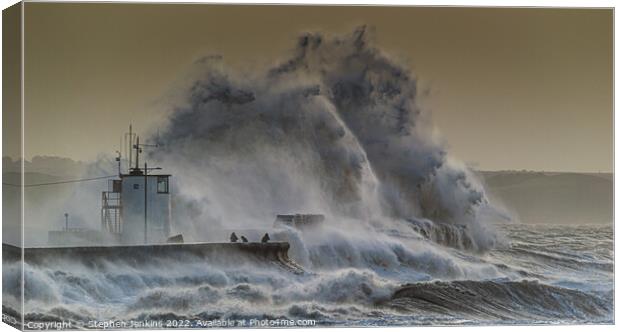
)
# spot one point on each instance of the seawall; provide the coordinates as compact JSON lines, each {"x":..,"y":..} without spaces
{"x":211,"y":253}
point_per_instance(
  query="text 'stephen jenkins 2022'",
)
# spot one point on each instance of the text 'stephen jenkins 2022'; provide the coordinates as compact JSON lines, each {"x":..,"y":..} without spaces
{"x":237,"y":166}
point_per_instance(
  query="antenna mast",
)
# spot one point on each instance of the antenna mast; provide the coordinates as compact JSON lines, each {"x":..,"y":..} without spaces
{"x":138,"y":147}
{"x":118,"y":159}
{"x":130,"y":148}
{"x":138,"y":150}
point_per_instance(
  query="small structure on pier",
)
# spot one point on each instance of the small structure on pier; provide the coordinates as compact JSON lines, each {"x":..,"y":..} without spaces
{"x":137,"y":206}
{"x":299,"y":221}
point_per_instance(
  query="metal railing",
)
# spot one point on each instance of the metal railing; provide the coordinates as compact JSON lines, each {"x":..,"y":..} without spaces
{"x":111,"y":216}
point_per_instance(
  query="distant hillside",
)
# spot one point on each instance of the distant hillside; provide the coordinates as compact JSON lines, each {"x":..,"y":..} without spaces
{"x":47,"y":165}
{"x":535,"y":197}
{"x":558,"y":198}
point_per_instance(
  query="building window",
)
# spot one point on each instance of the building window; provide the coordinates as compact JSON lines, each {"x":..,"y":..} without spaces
{"x":162,"y":184}
{"x":136,"y":186}
{"x":117,"y":186}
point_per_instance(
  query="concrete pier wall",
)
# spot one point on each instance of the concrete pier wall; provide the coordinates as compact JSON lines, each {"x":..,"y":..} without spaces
{"x":211,"y":253}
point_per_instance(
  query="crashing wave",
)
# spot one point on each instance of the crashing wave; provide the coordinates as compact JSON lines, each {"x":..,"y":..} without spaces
{"x":457,"y":236}
{"x":335,"y":129}
{"x":497,"y":301}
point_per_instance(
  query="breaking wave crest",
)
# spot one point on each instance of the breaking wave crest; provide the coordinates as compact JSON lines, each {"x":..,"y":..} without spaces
{"x":452,"y":235}
{"x":335,"y":129}
{"x":397,"y":279}
{"x":493,"y":301}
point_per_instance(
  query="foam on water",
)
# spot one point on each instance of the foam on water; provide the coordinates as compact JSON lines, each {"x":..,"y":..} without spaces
{"x":344,"y":290}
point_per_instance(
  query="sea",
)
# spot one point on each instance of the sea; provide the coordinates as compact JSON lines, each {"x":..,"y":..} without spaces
{"x":539,"y":274}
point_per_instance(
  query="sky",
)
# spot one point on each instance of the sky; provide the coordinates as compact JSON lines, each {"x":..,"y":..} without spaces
{"x":507,"y":88}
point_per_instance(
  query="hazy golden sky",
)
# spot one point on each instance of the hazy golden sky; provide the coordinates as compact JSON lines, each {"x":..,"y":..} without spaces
{"x":509,"y":88}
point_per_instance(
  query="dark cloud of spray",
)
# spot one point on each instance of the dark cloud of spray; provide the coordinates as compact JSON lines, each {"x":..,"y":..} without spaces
{"x":335,"y":129}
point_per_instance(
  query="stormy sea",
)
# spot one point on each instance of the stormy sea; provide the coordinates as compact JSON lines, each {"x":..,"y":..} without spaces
{"x":410,"y":235}
{"x":541,"y":275}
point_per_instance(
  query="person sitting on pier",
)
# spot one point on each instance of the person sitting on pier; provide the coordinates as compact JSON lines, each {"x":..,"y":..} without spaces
{"x":244,"y":239}
{"x":265,"y":238}
{"x":233,"y":237}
